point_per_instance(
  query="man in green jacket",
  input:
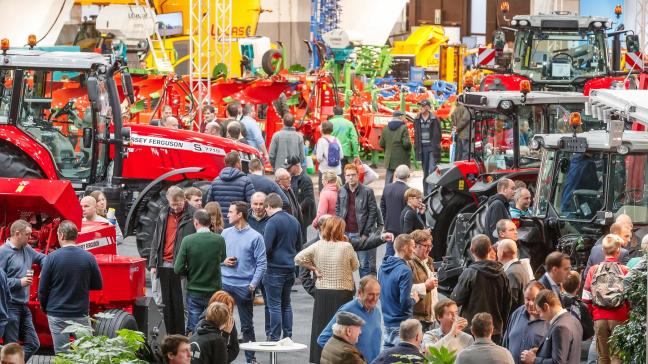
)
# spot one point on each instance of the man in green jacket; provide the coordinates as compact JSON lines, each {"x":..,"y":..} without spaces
{"x":346,"y":134}
{"x":395,"y":140}
{"x":199,"y":259}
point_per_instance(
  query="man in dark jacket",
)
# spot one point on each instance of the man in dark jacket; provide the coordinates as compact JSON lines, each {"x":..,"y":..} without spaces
{"x":282,"y":238}
{"x":411,"y":335}
{"x":301,"y":183}
{"x":283,"y":178}
{"x":263,"y":183}
{"x":483,"y":287}
{"x":175,"y":222}
{"x":427,"y":141}
{"x":497,"y":207}
{"x":231,"y":184}
{"x":563,"y":341}
{"x":356,"y":204}
{"x":393,"y":202}
{"x":396,"y":296}
{"x":67,"y":277}
{"x":516,"y":273}
{"x":395,"y":140}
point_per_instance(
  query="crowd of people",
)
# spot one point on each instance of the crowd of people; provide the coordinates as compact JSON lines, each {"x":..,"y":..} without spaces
{"x":243,"y":240}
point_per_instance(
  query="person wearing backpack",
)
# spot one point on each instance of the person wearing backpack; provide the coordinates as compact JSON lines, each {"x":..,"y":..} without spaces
{"x":603,"y":294}
{"x":329,"y":153}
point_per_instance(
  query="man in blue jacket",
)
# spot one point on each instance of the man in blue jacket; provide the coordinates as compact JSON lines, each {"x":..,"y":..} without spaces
{"x":282,"y":238}
{"x":365,"y":306}
{"x":263,"y":183}
{"x":231,"y":184}
{"x":397,"y":299}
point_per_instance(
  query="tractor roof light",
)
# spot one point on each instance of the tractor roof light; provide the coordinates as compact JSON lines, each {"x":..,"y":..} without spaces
{"x":4,"y":45}
{"x":575,"y":120}
{"x":618,"y":10}
{"x":31,"y":41}
{"x":525,"y":86}
{"x":505,"y":7}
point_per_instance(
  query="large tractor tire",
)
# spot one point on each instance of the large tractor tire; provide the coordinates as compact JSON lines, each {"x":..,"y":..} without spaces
{"x":14,"y":163}
{"x":149,"y":213}
{"x":120,"y":320}
{"x":272,"y":61}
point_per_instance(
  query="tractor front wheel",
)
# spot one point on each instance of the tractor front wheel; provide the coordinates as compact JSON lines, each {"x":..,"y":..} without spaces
{"x":14,"y":163}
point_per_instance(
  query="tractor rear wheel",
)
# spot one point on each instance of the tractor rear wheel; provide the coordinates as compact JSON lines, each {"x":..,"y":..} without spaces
{"x":120,"y":320}
{"x":14,"y":163}
{"x":148,"y":215}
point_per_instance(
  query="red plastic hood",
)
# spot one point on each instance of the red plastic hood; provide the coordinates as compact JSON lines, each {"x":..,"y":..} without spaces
{"x":21,"y":198}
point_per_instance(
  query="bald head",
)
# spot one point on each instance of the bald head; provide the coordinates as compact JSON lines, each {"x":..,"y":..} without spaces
{"x":623,"y":230}
{"x":89,"y":206}
{"x":625,"y":220}
{"x":170,"y":122}
{"x":506,"y":250}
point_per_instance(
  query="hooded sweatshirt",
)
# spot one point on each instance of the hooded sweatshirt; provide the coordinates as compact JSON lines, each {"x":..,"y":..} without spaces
{"x":395,"y":279}
{"x":496,"y":210}
{"x":230,"y":185}
{"x":210,"y":345}
{"x":484,"y":287}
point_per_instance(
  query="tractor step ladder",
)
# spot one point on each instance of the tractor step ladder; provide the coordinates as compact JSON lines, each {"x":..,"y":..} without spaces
{"x":156,"y":45}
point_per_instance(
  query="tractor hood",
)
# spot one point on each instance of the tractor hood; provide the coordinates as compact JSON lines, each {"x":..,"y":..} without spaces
{"x":457,"y":176}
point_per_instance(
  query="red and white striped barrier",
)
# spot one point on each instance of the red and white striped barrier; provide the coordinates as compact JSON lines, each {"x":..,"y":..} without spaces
{"x":485,"y":56}
{"x":634,"y":61}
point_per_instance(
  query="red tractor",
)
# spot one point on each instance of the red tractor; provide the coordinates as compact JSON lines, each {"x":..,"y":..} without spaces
{"x":559,"y":51}
{"x":61,"y":119}
{"x":44,"y":204}
{"x":502,"y":124}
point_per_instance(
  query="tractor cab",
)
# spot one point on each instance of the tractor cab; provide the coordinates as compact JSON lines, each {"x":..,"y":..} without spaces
{"x":502,"y":125}
{"x":56,"y":114}
{"x":559,"y":51}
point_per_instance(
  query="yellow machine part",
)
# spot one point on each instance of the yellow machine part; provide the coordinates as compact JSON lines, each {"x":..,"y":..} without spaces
{"x":451,"y":67}
{"x":424,"y":43}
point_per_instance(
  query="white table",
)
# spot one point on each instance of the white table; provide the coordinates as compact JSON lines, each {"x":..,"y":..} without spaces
{"x":268,"y":347}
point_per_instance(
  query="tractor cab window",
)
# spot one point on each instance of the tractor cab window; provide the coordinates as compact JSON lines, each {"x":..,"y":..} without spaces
{"x":579,"y":184}
{"x":629,"y":186}
{"x":54,"y":109}
{"x":545,"y":178}
{"x":6,"y":83}
{"x":559,"y":55}
{"x":558,"y":117}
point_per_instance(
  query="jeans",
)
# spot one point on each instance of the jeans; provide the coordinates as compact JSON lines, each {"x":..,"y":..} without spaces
{"x":592,"y":355}
{"x":244,"y":305}
{"x":58,"y":324}
{"x":277,"y":286}
{"x":367,"y":258}
{"x":391,"y":337}
{"x":462,"y":150}
{"x":389,"y":176}
{"x":429,"y":165}
{"x":196,"y":304}
{"x":21,"y":327}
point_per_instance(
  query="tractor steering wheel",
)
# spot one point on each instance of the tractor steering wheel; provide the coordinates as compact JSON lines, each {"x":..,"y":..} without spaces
{"x":557,"y":55}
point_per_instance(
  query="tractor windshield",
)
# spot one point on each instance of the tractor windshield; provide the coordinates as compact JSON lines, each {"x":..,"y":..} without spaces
{"x":559,"y":55}
{"x":629,"y":186}
{"x":54,"y":110}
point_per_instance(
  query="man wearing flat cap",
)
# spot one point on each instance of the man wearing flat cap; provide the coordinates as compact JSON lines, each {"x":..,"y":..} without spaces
{"x":427,"y":141}
{"x":341,"y":347}
{"x":395,"y":140}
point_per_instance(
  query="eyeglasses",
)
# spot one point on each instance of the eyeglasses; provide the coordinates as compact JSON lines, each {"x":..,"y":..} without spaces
{"x":425,"y":245}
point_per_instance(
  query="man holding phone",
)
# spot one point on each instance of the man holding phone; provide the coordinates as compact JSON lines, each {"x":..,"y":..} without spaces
{"x":244,"y":267}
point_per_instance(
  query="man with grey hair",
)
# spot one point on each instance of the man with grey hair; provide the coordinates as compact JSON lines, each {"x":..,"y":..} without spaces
{"x":16,"y":259}
{"x":411,"y":335}
{"x":517,"y":274}
{"x":393,"y":202}
{"x":213,"y":128}
{"x":67,"y":277}
{"x":174,"y":224}
{"x":170,"y":122}
{"x":506,"y":229}
{"x":283,"y":179}
{"x":264,"y":183}
{"x":522,"y":199}
{"x":341,"y":348}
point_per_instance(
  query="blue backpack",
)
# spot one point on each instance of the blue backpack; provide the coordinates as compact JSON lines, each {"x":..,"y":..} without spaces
{"x":333,"y":154}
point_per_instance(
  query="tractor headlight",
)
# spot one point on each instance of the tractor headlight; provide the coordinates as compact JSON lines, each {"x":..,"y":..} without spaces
{"x":623,"y":149}
{"x":598,"y":24}
{"x":534,"y":144}
{"x":524,"y":23}
{"x":514,"y":22}
{"x":506,"y":105}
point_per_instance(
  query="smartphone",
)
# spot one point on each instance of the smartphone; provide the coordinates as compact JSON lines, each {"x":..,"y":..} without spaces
{"x":30,"y":273}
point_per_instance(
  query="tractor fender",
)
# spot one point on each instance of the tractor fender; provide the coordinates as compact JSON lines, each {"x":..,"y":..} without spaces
{"x":130,"y":223}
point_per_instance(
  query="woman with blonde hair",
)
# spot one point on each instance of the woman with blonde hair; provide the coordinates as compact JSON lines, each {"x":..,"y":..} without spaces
{"x":209,"y":342}
{"x":214,"y":210}
{"x":333,"y":261}
{"x":102,"y":210}
{"x":328,"y":196}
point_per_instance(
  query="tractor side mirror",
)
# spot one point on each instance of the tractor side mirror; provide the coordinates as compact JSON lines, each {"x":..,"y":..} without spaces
{"x":127,"y":86}
{"x":93,"y":90}
{"x":87,"y":138}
